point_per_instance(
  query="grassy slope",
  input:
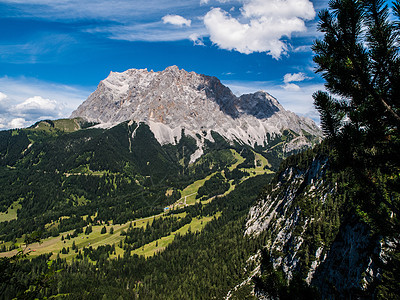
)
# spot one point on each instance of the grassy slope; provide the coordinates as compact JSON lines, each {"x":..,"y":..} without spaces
{"x":150,"y":249}
{"x":95,"y":239}
{"x":239,"y":160}
{"x":11,"y":213}
{"x":66,"y":125}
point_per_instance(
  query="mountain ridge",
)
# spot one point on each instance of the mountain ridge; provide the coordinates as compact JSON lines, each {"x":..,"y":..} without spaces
{"x":174,"y":99}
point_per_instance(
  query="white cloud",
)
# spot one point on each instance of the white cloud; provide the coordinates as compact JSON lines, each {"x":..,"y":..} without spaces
{"x":291,"y":87}
{"x":17,"y":123}
{"x":313,"y":115}
{"x":283,"y":9}
{"x":2,"y":96}
{"x":176,"y":20}
{"x":261,"y":26}
{"x":197,"y":39}
{"x":202,"y":2}
{"x":294,"y":77}
{"x":139,"y":20}
{"x":302,"y":49}
{"x":116,"y":10}
{"x":154,"y":31}
{"x":33,"y":100}
{"x":3,"y":123}
{"x":22,"y":88}
{"x":37,"y":106}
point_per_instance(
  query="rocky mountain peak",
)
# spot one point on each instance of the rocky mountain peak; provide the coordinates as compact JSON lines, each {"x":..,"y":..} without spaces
{"x":174,"y":99}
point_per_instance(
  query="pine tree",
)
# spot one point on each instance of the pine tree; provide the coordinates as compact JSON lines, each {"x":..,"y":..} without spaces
{"x":88,"y":229}
{"x":360,"y":112}
{"x":359,"y":60}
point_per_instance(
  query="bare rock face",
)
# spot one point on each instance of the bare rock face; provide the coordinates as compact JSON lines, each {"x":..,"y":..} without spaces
{"x":341,"y":257}
{"x":173,"y":99}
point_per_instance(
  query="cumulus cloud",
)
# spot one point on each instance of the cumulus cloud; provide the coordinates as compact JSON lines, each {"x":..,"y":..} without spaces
{"x":260,"y":27}
{"x":260,"y":24}
{"x":17,"y":123}
{"x":291,"y":87}
{"x":176,"y":20}
{"x":24,"y":101}
{"x":37,"y":106}
{"x":282,"y":9}
{"x":294,"y":77}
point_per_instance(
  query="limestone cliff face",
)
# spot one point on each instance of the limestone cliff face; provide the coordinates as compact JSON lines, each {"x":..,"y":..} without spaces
{"x":173,"y":99}
{"x":309,"y":232}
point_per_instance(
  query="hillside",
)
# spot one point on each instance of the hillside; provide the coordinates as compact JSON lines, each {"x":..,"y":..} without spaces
{"x":318,"y":239}
{"x":104,"y":171}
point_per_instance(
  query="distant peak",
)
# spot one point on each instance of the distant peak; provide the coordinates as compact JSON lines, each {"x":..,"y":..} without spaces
{"x":173,"y":99}
{"x":172,"y":68}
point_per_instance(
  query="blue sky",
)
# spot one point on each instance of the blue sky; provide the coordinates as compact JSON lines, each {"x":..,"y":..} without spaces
{"x":54,"y":53}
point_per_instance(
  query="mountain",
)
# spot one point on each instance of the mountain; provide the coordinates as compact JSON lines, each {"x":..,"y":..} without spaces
{"x":172,"y":100}
{"x":151,"y":134}
{"x":165,"y":185}
{"x":171,"y":160}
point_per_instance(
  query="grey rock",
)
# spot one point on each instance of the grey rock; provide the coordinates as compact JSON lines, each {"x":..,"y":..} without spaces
{"x":174,"y":99}
{"x":345,"y":265}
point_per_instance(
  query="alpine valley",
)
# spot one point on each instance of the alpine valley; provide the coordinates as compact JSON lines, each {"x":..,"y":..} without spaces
{"x":165,"y":185}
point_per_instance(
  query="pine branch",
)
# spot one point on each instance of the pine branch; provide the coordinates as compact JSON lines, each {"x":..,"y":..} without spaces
{"x":330,"y":118}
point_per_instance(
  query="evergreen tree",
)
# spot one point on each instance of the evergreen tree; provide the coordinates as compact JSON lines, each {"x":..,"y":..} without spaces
{"x":88,"y":229}
{"x":360,"y":114}
{"x":359,"y":60}
{"x":103,"y":230}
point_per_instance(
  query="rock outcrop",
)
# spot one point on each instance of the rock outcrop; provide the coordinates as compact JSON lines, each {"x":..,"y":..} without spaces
{"x":310,"y":233}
